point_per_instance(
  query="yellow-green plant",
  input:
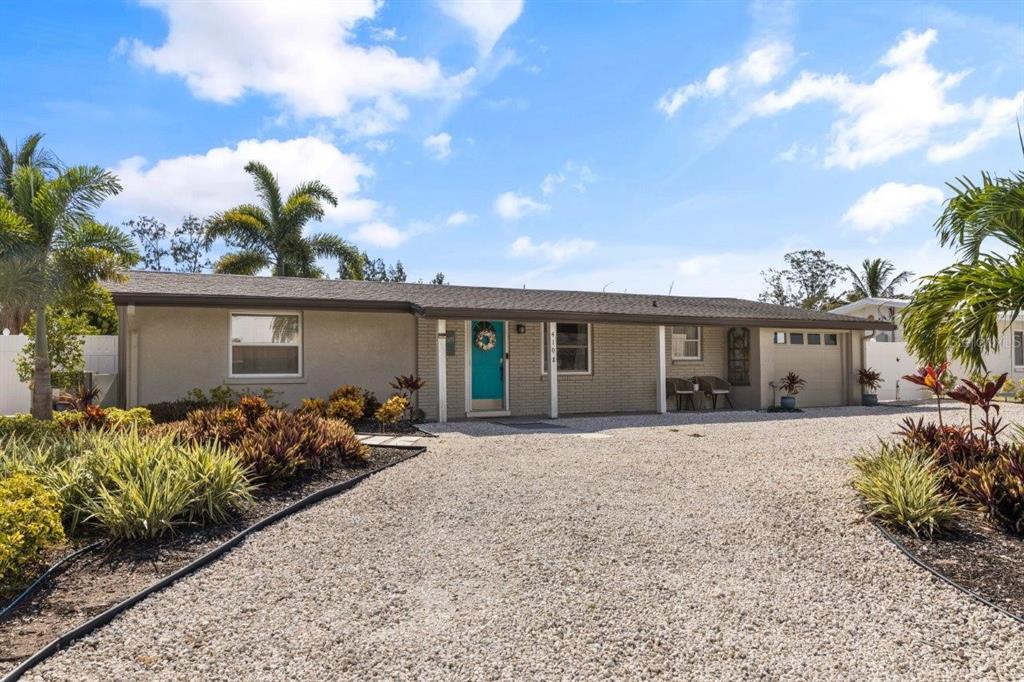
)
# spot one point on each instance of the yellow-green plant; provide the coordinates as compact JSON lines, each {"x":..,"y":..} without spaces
{"x":349,"y":409}
{"x":29,"y":522}
{"x":902,"y":486}
{"x":392,"y":410}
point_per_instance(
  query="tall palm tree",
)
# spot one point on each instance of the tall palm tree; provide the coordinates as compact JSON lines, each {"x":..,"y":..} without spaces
{"x":53,"y":251}
{"x":271,"y":235}
{"x":29,"y":152}
{"x":961,"y":309}
{"x":877,"y":279}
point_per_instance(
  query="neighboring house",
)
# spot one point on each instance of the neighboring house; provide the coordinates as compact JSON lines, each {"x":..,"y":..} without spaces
{"x":887,"y":352}
{"x":483,"y":351}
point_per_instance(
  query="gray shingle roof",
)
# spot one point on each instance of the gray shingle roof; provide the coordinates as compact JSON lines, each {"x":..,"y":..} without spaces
{"x":167,"y":288}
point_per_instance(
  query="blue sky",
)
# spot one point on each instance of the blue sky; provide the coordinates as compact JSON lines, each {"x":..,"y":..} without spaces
{"x":636,"y":145}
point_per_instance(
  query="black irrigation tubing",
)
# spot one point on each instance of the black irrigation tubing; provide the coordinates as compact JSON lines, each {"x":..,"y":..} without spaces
{"x":116,"y":610}
{"x":10,"y":608}
{"x":943,"y":577}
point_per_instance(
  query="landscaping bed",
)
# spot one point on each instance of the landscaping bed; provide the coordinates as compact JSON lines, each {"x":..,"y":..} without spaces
{"x":983,"y":559}
{"x":106,"y":576}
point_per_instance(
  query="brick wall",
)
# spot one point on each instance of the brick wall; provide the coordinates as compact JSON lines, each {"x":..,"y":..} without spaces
{"x":713,"y":356}
{"x":426,"y":367}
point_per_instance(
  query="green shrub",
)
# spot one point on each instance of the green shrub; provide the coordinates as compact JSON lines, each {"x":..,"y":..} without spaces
{"x":315,"y":406}
{"x":253,"y":407}
{"x":133,"y":486}
{"x":95,"y":417}
{"x":903,"y":487}
{"x":225,"y":425}
{"x":29,"y":522}
{"x":349,"y":409}
{"x":27,"y":428}
{"x":175,"y":410}
{"x":370,"y":404}
{"x":392,"y":410}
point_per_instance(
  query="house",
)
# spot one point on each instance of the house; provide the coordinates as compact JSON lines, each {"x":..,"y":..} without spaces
{"x":483,"y":351}
{"x":886,"y":351}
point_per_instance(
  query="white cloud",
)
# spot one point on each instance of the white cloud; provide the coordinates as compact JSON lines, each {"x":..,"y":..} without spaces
{"x":300,"y":54}
{"x":889,"y":205}
{"x":557,"y":251}
{"x":487,"y":20}
{"x":203,"y":184}
{"x":578,"y":175}
{"x":903,"y":109}
{"x":439,"y":146}
{"x":379,"y":146}
{"x":759,"y":67}
{"x":379,"y":233}
{"x":460,"y":218}
{"x":512,"y":206}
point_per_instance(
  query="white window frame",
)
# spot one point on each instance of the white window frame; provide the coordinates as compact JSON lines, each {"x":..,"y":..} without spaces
{"x":699,"y":339}
{"x":1017,"y":345}
{"x":780,"y":335}
{"x":590,"y":350}
{"x":232,"y":344}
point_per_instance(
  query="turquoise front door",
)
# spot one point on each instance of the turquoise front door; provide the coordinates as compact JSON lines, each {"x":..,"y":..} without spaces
{"x":488,"y":363}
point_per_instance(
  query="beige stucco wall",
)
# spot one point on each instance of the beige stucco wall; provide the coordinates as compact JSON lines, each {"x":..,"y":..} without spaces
{"x":830,"y":371}
{"x":179,"y":349}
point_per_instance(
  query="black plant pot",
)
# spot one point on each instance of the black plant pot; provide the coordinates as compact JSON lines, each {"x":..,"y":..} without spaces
{"x":869,"y":399}
{"x":788,"y":402}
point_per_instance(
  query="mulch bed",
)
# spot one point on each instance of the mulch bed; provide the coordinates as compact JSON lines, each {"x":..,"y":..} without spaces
{"x":402,"y":428}
{"x":979,"y":557}
{"x":104,"y":577}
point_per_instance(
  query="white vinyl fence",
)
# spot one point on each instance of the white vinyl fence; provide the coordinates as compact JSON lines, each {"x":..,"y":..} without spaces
{"x":100,"y":357}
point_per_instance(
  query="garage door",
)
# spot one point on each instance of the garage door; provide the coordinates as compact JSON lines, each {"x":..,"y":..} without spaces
{"x":820,"y":363}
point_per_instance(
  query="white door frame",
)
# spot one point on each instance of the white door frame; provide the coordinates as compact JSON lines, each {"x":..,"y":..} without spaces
{"x":470,"y":412}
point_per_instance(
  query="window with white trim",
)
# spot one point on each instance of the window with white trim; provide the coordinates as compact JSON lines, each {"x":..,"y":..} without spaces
{"x":686,"y":342}
{"x":572,"y":340}
{"x":779,"y":338}
{"x":1018,"y":349}
{"x":265,"y":344}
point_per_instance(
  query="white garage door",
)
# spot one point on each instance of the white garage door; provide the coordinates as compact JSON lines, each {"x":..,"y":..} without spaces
{"x":819,"y":364}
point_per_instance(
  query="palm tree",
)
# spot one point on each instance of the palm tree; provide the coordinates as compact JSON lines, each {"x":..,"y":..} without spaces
{"x":876,"y":279}
{"x":28,"y":152}
{"x":959,"y":310}
{"x":52,"y":251}
{"x":271,"y":235}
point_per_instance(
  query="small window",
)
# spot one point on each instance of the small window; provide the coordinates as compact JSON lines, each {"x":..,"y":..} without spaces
{"x":831,"y":340}
{"x":814,"y":339}
{"x":1018,"y":349}
{"x":796,"y":339}
{"x":686,"y":342}
{"x":266,"y":345}
{"x":573,"y":345}
{"x":780,"y":337}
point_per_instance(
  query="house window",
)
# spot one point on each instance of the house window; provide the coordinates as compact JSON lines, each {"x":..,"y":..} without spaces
{"x":779,"y":337}
{"x":831,"y":340}
{"x":1018,"y":349}
{"x":266,"y":344}
{"x":686,"y":343}
{"x":814,"y":339}
{"x":796,"y":339}
{"x":573,"y":345}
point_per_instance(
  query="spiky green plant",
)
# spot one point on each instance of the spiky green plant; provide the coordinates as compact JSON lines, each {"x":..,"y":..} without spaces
{"x":902,"y":487}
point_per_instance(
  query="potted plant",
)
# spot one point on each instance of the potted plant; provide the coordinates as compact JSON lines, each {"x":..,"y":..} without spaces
{"x":869,"y":379}
{"x":791,"y":384}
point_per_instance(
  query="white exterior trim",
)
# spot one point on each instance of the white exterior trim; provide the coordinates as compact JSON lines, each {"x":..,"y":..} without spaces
{"x":700,"y":342}
{"x":552,"y":328}
{"x":662,"y":398}
{"x":590,"y":352}
{"x":442,"y":371}
{"x":231,"y":345}
{"x":505,"y":411}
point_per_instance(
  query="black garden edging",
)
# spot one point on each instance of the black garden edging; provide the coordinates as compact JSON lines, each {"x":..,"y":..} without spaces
{"x":116,"y":610}
{"x":50,"y":572}
{"x":941,"y":576}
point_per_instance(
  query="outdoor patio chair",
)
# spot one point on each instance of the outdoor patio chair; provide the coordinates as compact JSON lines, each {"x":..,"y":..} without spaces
{"x":714,"y":387}
{"x":680,"y":388}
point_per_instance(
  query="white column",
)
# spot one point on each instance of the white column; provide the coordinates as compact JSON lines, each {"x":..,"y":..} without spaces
{"x":442,"y":371}
{"x":662,"y":406}
{"x":553,"y":369}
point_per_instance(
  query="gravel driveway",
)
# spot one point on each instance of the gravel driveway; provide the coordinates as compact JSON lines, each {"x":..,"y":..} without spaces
{"x":722,"y":546}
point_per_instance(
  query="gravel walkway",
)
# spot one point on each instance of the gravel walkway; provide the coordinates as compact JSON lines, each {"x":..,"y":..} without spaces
{"x":723,"y":546}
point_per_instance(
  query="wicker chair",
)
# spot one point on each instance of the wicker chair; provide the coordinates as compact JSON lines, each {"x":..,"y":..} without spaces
{"x":680,"y":388}
{"x":714,"y":387}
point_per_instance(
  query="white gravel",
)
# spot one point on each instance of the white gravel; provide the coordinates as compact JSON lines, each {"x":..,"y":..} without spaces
{"x":623,"y":547}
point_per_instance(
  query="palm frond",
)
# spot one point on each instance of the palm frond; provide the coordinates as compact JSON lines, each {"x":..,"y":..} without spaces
{"x":247,"y":226}
{"x":267,"y":187}
{"x":315,"y":189}
{"x":242,"y":263}
{"x":72,"y":196}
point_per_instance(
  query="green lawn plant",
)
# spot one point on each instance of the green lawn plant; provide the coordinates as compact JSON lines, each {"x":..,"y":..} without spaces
{"x":29,"y":523}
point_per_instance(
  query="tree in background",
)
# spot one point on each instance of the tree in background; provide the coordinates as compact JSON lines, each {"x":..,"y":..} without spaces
{"x":958,"y":310}
{"x":271,"y":235}
{"x":187,"y":248}
{"x":806,"y":282}
{"x":438,"y":279}
{"x":52,"y":251}
{"x":877,"y":279}
{"x":65,"y":335}
{"x":29,"y":153}
{"x":374,"y":270}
